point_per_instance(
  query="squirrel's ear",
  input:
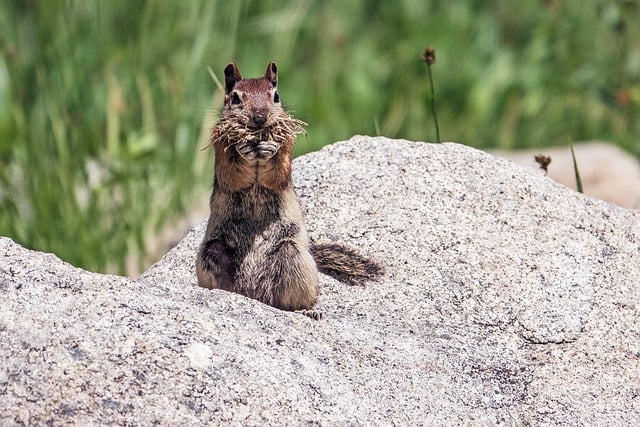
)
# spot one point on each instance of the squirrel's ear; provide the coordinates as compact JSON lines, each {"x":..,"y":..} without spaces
{"x":272,"y":73}
{"x":231,"y":76}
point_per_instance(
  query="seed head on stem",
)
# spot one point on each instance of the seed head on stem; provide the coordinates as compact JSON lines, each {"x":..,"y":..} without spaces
{"x":429,"y":58}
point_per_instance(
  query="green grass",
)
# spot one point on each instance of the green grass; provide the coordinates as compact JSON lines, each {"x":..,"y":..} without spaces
{"x":576,"y":171}
{"x":105,"y":104}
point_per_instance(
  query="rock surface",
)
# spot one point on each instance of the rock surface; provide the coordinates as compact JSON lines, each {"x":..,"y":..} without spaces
{"x":507,"y":299}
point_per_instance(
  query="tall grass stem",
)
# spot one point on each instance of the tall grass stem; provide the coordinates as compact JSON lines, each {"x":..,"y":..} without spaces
{"x":433,"y":104}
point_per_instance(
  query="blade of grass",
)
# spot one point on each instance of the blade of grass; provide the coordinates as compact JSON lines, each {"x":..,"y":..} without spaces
{"x":575,"y":169}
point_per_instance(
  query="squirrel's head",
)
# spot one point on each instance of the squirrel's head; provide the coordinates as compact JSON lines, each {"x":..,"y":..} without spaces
{"x":252,"y":100}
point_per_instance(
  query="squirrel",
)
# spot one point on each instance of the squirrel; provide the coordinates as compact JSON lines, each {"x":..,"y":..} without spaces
{"x":256,"y":242}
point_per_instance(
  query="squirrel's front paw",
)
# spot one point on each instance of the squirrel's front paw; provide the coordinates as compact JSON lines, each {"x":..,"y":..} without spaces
{"x":247,"y":150}
{"x":258,"y":150}
{"x":267,"y":149}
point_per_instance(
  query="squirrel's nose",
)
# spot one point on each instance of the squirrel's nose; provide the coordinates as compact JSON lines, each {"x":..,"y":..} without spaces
{"x":259,"y":117}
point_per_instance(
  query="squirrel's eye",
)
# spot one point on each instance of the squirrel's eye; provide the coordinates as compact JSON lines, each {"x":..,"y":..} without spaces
{"x":235,"y":99}
{"x":276,"y":97}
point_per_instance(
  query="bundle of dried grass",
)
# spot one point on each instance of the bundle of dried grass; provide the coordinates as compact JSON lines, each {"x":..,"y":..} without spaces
{"x":232,"y":130}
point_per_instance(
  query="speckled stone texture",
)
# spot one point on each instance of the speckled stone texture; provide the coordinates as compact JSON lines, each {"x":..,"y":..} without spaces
{"x":507,"y":299}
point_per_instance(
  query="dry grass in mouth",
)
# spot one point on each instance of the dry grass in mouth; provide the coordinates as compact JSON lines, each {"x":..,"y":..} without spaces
{"x":231,"y":131}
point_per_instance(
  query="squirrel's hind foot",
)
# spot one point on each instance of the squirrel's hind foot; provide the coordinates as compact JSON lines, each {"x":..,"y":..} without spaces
{"x":314,"y":314}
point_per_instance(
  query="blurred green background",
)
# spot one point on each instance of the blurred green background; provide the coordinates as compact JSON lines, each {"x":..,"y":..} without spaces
{"x":104,"y":105}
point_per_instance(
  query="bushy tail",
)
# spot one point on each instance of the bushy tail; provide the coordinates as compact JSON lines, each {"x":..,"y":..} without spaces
{"x":345,"y":264}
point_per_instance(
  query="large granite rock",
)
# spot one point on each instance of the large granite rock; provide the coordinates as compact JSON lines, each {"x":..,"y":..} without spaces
{"x":508,"y":299}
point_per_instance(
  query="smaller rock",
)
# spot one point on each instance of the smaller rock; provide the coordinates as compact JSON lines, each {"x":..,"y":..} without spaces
{"x":607,"y":172}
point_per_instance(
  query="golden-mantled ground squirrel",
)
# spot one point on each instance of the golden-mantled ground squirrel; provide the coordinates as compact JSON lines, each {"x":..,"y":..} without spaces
{"x":256,"y":243}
